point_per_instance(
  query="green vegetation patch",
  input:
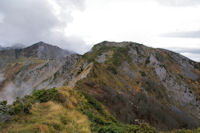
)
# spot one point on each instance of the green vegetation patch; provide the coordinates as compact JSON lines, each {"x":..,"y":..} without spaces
{"x":45,"y":95}
{"x":24,"y":105}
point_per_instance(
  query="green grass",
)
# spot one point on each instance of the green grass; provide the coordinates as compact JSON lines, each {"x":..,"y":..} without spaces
{"x":45,"y":95}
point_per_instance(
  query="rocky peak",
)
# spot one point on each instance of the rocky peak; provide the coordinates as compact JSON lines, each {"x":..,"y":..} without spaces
{"x":41,"y":43}
{"x":40,"y":50}
{"x":45,"y":51}
{"x":115,"y":44}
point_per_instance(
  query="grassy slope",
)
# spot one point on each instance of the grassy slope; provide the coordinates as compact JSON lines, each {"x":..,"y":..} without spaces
{"x":65,"y":110}
{"x":49,"y":117}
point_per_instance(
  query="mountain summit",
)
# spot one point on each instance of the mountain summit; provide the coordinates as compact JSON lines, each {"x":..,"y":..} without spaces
{"x":45,"y":51}
{"x":39,"y":50}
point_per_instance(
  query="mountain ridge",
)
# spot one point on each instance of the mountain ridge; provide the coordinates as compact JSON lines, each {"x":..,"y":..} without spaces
{"x":134,"y":83}
{"x":156,"y":74}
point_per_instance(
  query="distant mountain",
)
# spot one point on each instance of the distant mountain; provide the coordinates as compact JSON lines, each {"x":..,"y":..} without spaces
{"x":113,"y":86}
{"x":44,"y":60}
{"x":45,"y":51}
{"x":39,"y":50}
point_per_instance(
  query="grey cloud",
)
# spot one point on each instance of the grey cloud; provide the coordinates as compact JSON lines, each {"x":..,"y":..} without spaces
{"x":179,"y":3}
{"x":192,"y":53}
{"x":189,"y":34}
{"x":30,"y":21}
{"x":186,"y":50}
{"x":193,"y":56}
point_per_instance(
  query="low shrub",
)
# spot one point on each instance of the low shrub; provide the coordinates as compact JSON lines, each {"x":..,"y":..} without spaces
{"x":143,"y":74}
{"x":112,"y":69}
{"x":3,"y":103}
{"x":147,"y":60}
{"x":143,"y":128}
{"x":94,"y":103}
{"x":45,"y":95}
{"x":112,"y":128}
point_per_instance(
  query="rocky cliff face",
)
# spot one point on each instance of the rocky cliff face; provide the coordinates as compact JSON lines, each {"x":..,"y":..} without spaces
{"x":135,"y":83}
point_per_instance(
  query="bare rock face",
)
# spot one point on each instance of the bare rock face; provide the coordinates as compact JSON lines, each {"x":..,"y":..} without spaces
{"x":102,"y":58}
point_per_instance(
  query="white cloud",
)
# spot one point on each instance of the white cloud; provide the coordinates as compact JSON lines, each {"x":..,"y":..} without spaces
{"x":135,"y":20}
{"x":194,"y":56}
{"x":184,"y":34}
{"x":71,"y":23}
{"x":179,"y":3}
{"x":30,"y":21}
{"x":1,"y":18}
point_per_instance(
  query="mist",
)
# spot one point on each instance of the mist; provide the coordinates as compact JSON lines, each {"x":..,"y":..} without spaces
{"x":9,"y":93}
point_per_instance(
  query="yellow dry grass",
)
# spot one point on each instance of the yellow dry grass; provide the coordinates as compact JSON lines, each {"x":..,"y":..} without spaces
{"x":49,"y":117}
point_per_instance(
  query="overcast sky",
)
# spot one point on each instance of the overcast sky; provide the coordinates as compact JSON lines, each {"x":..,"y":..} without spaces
{"x":78,"y":24}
